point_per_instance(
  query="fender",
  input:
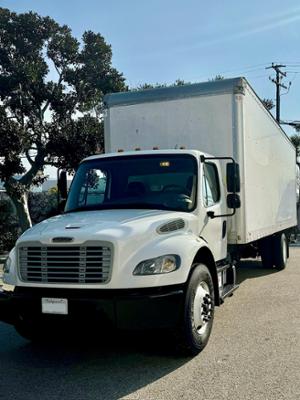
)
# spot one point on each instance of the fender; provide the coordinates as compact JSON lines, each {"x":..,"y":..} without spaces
{"x":189,"y":247}
{"x":204,"y":255}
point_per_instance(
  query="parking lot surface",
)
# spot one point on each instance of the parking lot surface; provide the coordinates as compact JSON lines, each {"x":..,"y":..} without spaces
{"x":253,"y":353}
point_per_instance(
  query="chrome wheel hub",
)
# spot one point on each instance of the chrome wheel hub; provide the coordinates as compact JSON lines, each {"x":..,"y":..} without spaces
{"x":202,"y":308}
{"x":284,"y":250}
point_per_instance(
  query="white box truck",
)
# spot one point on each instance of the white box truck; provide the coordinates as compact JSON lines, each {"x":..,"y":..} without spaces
{"x":194,"y":178}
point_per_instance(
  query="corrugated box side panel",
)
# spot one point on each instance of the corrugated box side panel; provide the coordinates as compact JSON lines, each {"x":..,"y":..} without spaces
{"x":269,"y":173}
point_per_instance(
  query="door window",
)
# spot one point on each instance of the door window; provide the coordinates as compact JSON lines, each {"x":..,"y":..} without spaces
{"x":210,"y":185}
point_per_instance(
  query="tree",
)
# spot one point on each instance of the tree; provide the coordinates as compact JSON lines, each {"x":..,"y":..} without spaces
{"x":217,"y":78}
{"x":145,"y":86}
{"x":295,"y":139}
{"x":268,"y":103}
{"x":8,"y":225}
{"x":47,"y":121}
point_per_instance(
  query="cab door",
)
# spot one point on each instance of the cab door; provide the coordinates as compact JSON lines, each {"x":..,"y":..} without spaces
{"x":212,"y":203}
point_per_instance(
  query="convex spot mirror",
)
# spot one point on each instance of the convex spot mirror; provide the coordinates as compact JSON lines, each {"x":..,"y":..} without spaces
{"x":233,"y":178}
{"x":233,"y":200}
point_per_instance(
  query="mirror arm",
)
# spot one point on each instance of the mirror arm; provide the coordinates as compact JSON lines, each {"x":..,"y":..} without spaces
{"x":212,"y":215}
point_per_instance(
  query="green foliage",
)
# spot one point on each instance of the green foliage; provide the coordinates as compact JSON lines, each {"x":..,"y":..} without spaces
{"x":8,"y":225}
{"x":53,"y":121}
{"x":42,"y":205}
{"x":218,"y":77}
{"x":295,"y":139}
{"x":268,"y":103}
{"x":145,"y":86}
{"x":72,"y":141}
{"x":297,"y":127}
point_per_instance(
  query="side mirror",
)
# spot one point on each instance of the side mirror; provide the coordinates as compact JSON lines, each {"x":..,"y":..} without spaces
{"x":233,"y":201}
{"x":62,"y":185}
{"x":233,"y":178}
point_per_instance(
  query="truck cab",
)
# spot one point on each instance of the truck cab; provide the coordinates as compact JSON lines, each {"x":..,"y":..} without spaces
{"x":140,"y":235}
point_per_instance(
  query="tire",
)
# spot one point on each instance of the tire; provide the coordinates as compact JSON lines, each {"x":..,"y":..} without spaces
{"x":198,"y":313}
{"x":280,"y":244}
{"x":27,"y":329}
{"x":266,"y":252}
{"x":274,"y":251}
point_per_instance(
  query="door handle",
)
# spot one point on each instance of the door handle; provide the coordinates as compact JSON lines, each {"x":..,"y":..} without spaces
{"x":224,"y":229}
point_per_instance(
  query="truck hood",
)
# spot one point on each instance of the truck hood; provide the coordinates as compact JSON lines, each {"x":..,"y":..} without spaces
{"x":104,"y":225}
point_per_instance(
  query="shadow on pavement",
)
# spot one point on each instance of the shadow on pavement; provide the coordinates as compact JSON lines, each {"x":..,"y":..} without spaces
{"x":250,"y":269}
{"x":114,"y":366}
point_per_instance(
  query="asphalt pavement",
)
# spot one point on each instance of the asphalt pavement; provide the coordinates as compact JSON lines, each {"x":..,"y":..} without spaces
{"x":253,"y":354}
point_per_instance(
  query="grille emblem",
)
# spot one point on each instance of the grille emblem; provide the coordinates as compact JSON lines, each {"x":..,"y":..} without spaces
{"x":72,"y":226}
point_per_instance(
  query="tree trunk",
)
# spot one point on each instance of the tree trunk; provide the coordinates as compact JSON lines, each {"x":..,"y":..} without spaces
{"x":20,"y":201}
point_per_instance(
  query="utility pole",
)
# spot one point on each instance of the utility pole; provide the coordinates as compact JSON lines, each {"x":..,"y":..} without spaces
{"x":277,"y":81}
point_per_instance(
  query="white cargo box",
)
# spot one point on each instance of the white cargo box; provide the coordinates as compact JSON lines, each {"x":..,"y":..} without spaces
{"x":223,"y":118}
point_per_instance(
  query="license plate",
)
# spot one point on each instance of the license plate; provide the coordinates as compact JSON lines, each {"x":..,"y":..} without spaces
{"x":54,"y":306}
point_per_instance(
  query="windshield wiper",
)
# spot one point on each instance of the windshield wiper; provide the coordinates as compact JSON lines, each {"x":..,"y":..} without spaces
{"x":115,"y":206}
{"x":93,"y":207}
{"x":149,"y":206}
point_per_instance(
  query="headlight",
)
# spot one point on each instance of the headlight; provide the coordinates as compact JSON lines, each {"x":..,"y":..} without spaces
{"x":7,"y":265}
{"x":158,"y":265}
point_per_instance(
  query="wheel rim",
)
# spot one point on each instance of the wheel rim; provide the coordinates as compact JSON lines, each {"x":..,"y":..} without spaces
{"x":284,"y":249}
{"x":202,"y":308}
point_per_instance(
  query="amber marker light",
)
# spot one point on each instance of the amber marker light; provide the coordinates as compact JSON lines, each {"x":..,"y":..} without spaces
{"x":164,"y":163}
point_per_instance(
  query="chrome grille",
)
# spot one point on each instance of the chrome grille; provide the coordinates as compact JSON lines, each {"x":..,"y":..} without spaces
{"x":65,"y":264}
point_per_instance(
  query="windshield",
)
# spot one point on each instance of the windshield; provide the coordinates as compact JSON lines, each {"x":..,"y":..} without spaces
{"x":164,"y":182}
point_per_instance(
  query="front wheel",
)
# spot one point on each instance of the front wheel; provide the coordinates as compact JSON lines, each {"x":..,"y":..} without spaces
{"x":197,"y":319}
{"x":28,"y":329}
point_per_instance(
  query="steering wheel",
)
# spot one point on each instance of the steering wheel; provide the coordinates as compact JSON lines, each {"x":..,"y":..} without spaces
{"x":174,"y":189}
{"x":184,"y":198}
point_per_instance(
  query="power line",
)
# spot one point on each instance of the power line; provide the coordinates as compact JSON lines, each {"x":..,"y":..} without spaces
{"x":242,"y":70}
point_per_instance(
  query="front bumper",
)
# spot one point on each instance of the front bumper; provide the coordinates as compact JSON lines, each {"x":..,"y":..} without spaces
{"x":125,"y":308}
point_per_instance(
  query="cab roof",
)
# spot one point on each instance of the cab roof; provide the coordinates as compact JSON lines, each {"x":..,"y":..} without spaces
{"x":195,"y":153}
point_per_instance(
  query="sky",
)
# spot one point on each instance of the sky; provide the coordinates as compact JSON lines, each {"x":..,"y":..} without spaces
{"x":159,"y":41}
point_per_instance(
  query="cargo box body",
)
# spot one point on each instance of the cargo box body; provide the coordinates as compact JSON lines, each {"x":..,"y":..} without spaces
{"x":225,"y":119}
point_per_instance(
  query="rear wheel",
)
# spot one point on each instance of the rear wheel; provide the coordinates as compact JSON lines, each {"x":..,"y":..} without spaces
{"x":197,"y":319}
{"x":280,"y":251}
{"x":266,"y":252}
{"x":274,"y":251}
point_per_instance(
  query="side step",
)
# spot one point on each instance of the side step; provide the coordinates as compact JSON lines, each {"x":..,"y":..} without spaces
{"x":226,"y":280}
{"x":228,"y":290}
